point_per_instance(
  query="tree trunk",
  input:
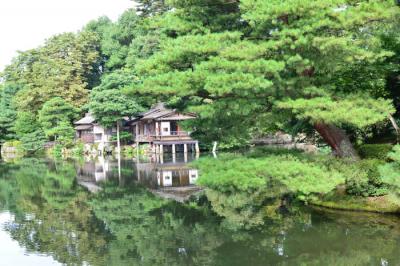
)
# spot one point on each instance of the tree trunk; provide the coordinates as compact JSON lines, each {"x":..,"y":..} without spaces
{"x":118,"y":141}
{"x":337,"y":139}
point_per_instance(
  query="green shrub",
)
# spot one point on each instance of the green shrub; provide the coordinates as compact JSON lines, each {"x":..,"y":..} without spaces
{"x":13,"y":146}
{"x":56,"y":151}
{"x":123,"y":137}
{"x":326,"y":150}
{"x":363,"y":179}
{"x":129,"y":151}
{"x":78,"y":149}
{"x":390,"y":172}
{"x":374,"y":151}
{"x":232,"y":173}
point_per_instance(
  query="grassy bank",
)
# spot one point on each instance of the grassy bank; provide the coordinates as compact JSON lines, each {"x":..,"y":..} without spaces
{"x":382,"y":204}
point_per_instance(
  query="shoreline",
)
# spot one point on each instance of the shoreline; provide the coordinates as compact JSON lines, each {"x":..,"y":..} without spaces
{"x":383,"y":204}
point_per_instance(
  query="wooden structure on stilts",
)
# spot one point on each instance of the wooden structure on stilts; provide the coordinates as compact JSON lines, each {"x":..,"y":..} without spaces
{"x":159,"y":127}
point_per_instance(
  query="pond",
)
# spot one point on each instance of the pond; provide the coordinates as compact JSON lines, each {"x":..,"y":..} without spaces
{"x":150,"y":212}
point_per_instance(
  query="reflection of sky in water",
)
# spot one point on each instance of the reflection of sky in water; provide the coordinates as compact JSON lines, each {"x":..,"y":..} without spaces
{"x":12,"y":254}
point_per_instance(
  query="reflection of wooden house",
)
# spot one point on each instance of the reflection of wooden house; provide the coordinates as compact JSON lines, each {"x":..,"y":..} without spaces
{"x":176,"y":176}
{"x":161,"y":174}
{"x":160,"y":128}
{"x":89,"y":131}
{"x":94,"y":171}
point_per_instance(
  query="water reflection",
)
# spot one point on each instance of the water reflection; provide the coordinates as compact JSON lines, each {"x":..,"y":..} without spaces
{"x":49,"y":214}
{"x":166,"y":171}
{"x":167,"y":175}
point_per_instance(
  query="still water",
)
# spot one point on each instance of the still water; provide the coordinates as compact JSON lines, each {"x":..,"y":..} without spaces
{"x":149,"y":212}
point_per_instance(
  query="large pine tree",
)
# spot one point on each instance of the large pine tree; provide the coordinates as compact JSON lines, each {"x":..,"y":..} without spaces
{"x":262,"y":63}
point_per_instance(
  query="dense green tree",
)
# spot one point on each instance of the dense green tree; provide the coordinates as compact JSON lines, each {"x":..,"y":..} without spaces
{"x":148,"y":8}
{"x":8,"y":112}
{"x":56,"y":117}
{"x":65,"y":133}
{"x":114,"y":38}
{"x":62,"y":67}
{"x":33,"y":141}
{"x":285,"y":59}
{"x":25,"y":123}
{"x":29,"y":132}
{"x":111,"y":106}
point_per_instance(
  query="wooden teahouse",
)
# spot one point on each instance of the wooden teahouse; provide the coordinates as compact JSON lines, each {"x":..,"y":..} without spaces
{"x":88,"y":131}
{"x":159,"y":127}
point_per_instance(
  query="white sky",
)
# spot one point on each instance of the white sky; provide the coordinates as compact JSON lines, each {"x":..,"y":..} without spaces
{"x":25,"y":24}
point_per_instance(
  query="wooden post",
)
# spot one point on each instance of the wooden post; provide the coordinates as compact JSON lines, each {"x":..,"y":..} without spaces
{"x":157,"y":129}
{"x":161,"y":149}
{"x":137,"y":132}
{"x":137,"y":138}
{"x":173,"y":148}
{"x":138,"y":168}
{"x":157,"y":149}
{"x":185,"y":148}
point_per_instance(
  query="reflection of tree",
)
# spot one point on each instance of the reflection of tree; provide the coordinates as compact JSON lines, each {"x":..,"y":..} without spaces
{"x":71,"y":236}
{"x":8,"y":188}
{"x":241,"y":209}
{"x":129,"y":226}
{"x":338,"y":238}
{"x":152,"y":231}
{"x":52,"y":183}
{"x":58,"y":220}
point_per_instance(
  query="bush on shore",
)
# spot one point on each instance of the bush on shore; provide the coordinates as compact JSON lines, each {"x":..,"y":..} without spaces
{"x":374,"y":151}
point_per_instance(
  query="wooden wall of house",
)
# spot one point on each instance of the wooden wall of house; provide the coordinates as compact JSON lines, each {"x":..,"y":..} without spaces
{"x":86,"y":137}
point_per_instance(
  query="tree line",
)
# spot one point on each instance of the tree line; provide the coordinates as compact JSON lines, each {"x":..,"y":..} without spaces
{"x":246,"y":67}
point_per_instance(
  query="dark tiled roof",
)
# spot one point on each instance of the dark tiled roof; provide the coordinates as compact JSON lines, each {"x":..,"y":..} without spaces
{"x":158,"y":114}
{"x":83,"y":127}
{"x":88,"y":119}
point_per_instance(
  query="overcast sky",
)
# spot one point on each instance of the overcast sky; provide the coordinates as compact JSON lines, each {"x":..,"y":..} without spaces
{"x":25,"y":24}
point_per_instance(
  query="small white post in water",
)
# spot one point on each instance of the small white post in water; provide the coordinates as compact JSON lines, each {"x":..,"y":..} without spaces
{"x":118,"y":140}
{"x":214,"y":150}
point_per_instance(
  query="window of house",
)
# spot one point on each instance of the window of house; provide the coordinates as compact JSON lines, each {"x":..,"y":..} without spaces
{"x":98,"y":136}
